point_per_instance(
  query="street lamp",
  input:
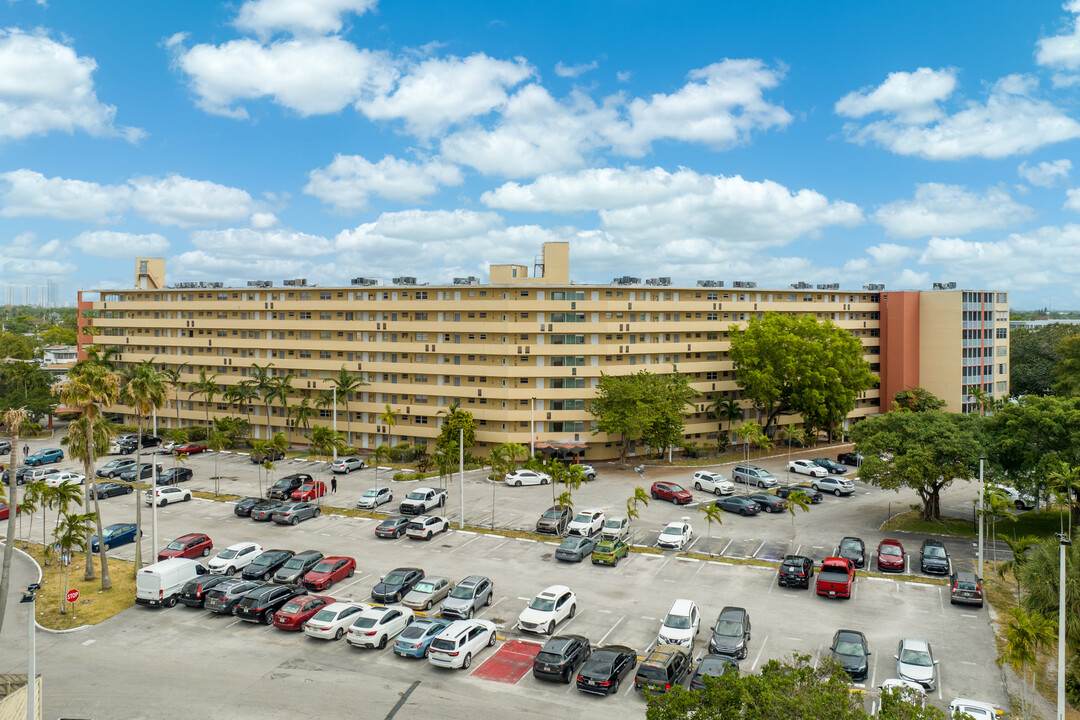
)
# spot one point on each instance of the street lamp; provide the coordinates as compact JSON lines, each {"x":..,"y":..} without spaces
{"x":982,"y":494}
{"x":1064,"y":541}
{"x":31,"y":673}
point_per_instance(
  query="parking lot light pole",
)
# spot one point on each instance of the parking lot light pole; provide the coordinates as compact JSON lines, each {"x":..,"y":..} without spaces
{"x":1064,"y":541}
{"x":31,"y":672}
{"x":335,"y":422}
{"x":982,"y":494}
{"x":153,"y":499}
{"x":461,"y":474}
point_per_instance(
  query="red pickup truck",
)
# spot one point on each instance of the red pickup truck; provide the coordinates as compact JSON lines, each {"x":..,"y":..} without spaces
{"x":836,"y":577}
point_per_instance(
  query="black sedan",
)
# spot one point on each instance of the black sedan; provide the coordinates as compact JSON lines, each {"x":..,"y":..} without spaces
{"x":260,"y":604}
{"x":738,"y":504}
{"x":849,"y":458}
{"x":111,"y":489}
{"x":265,"y":510}
{"x":830,"y":465}
{"x":222,"y":598}
{"x":769,"y":503}
{"x":795,"y":571}
{"x":850,"y":649}
{"x":392,"y":527}
{"x":266,"y":564}
{"x":606,"y":668}
{"x":560,"y":657}
{"x":293,"y":513}
{"x":194,"y":592}
{"x":713,"y":666}
{"x":814,"y":495}
{"x":396,"y":584}
{"x":144,"y":472}
{"x":172,"y":476}
{"x":243,"y":507}
{"x":853,"y":549}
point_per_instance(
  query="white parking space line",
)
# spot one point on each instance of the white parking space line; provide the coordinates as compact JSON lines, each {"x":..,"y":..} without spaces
{"x":621,"y":618}
{"x":661,"y":568}
{"x":754,"y":554}
{"x":338,"y":588}
{"x":491,"y":550}
{"x":758,"y":656}
{"x":873,"y":672}
{"x":490,"y":607}
{"x":726,"y":547}
{"x":467,"y":542}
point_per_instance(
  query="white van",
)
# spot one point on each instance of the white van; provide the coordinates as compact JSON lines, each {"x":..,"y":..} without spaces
{"x":160,"y":584}
{"x":40,"y":473}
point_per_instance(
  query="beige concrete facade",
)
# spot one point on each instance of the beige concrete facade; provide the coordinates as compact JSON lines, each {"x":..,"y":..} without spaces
{"x":524,"y":352}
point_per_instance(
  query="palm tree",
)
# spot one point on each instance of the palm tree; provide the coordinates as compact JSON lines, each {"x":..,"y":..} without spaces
{"x":1039,"y":574}
{"x":347,"y":384}
{"x":713,"y":514}
{"x":996,"y":507}
{"x":723,"y":408}
{"x":217,"y":441}
{"x":29,"y":506}
{"x":60,"y":498}
{"x":71,"y":533}
{"x":324,"y":440}
{"x":1019,"y":548}
{"x":389,"y":418}
{"x":640,"y":497}
{"x":144,"y":390}
{"x":1025,"y":634}
{"x":13,"y":419}
{"x":206,"y":386}
{"x":381,"y":453}
{"x":241,"y":394}
{"x":1064,"y":481}
{"x":303,"y":412}
{"x":91,"y":386}
{"x":172,"y":377}
{"x":264,"y":384}
{"x":797,"y":499}
{"x":282,"y":387}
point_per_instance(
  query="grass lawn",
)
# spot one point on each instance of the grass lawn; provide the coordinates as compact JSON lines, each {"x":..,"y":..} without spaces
{"x":1041,"y":524}
{"x":93,"y":605}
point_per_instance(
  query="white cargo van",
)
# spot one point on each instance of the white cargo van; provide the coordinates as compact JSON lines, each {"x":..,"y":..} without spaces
{"x":160,"y":584}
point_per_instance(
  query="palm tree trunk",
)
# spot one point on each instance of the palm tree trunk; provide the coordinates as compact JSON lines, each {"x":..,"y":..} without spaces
{"x":106,"y":581}
{"x":88,"y":573}
{"x":138,"y":505}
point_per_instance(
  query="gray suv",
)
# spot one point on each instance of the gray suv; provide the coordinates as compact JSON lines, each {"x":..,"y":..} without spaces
{"x":469,"y":594}
{"x":753,"y":475}
{"x":554,"y":520}
{"x":731,"y":634}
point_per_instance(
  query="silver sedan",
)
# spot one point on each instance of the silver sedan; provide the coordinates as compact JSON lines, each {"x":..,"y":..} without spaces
{"x":427,"y":592}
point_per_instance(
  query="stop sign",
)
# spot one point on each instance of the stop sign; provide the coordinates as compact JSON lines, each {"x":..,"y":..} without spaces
{"x":72,"y":595}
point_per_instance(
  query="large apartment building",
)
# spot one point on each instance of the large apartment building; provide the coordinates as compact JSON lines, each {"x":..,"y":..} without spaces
{"x":524,"y":352}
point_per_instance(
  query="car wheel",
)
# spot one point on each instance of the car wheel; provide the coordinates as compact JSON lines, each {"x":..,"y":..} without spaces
{"x":266,"y":577}
{"x":517,"y":484}
{"x":206,"y":551}
{"x":427,"y":606}
{"x":697,"y":486}
{"x":469,"y":614}
{"x":615,"y":562}
{"x":742,"y":655}
{"x":761,"y":484}
{"x":488,"y":600}
{"x":268,"y":617}
{"x":573,"y":610}
{"x":615,"y":686}
{"x":836,"y":493}
{"x":1019,"y":505}
{"x":106,"y":547}
{"x":171,"y":601}
{"x":716,"y":492}
{"x":382,"y":642}
{"x":129,"y":490}
{"x":187,"y":497}
{"x":467,"y":661}
{"x":428,"y":535}
{"x":294,"y":521}
{"x":814,"y":486}
{"x":164,"y":502}
{"x":550,"y":627}
{"x":351,"y":571}
{"x":318,"y":512}
{"x":743,"y":512}
{"x":491,"y":640}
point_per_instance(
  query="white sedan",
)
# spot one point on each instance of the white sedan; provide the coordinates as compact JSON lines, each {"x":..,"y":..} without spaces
{"x":64,"y":478}
{"x":331,"y":622}
{"x":165,"y":495}
{"x":374,"y":627}
{"x":548,"y":609}
{"x":713,"y":482}
{"x":233,"y":558}
{"x":807,"y":467}
{"x":586,"y":523}
{"x":676,"y":535}
{"x":527,"y":477}
{"x":374,"y":497}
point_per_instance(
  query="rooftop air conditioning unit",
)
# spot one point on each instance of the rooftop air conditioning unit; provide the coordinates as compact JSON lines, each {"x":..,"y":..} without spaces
{"x":405,"y":280}
{"x":874,"y":287}
{"x":801,"y":286}
{"x":743,"y":284}
{"x":828,"y":286}
{"x":364,"y":281}
{"x":710,"y":283}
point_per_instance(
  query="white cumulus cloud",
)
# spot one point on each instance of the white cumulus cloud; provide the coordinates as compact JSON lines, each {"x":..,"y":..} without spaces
{"x":1045,"y":174}
{"x":1012,"y":121}
{"x":1062,"y":52}
{"x":573,"y":71}
{"x":176,"y":200}
{"x":348,"y":181}
{"x":1072,"y":201}
{"x":46,"y":87}
{"x":912,"y":96}
{"x":255,"y":244}
{"x":106,"y":243}
{"x":940,"y":209}
{"x":319,"y":17}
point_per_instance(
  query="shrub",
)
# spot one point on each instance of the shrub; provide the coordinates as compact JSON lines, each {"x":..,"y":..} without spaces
{"x":196,"y":433}
{"x":693,"y":450}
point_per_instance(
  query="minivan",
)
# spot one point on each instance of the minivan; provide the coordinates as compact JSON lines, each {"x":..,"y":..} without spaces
{"x":753,"y":475}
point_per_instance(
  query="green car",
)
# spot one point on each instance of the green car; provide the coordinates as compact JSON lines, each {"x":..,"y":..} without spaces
{"x":608,"y":552}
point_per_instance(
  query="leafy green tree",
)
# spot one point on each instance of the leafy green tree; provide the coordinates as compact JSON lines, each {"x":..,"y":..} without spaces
{"x":1034,"y":353}
{"x":725,"y":409}
{"x":454,"y":421}
{"x":794,"y":364}
{"x":754,"y":434}
{"x":642,"y":407}
{"x":15,"y":346}
{"x":1064,"y":481}
{"x":1067,"y":370}
{"x":917,"y":399}
{"x":1039,"y":574}
{"x":1026,"y":439}
{"x":389,"y":418}
{"x":241,"y":394}
{"x":25,"y":385}
{"x":324,"y":440}
{"x":59,"y":336}
{"x":671,"y":393}
{"x":206,"y":386}
{"x":927,"y":451}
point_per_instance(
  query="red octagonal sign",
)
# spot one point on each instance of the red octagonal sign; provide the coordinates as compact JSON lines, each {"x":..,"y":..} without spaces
{"x":72,"y":595}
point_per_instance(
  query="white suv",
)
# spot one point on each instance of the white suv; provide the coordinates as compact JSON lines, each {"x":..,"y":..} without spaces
{"x":713,"y":482}
{"x":233,"y":558}
{"x":455,"y":646}
{"x":165,"y":495}
{"x":548,"y":609}
{"x":681,"y":625}
{"x":586,"y":523}
{"x":836,"y":485}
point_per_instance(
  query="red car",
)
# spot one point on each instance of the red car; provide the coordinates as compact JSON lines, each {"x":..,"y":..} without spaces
{"x":671,"y":492}
{"x":192,"y":545}
{"x":329,"y":571}
{"x":309,"y":491}
{"x":299,"y":610}
{"x":189,"y":449}
{"x":891,"y":556}
{"x":4,"y":512}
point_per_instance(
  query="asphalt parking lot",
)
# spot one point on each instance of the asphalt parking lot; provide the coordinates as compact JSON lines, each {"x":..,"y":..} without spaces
{"x":146,"y":663}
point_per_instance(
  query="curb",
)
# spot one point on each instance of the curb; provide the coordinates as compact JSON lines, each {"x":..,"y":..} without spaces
{"x":38,"y":625}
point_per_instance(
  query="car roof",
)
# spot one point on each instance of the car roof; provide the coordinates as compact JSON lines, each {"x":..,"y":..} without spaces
{"x":663,"y":654}
{"x":676,"y":524}
{"x":589,"y":510}
{"x":192,"y":536}
{"x":308,"y":553}
{"x":732,"y":611}
{"x":794,"y":558}
{"x":340,"y":605}
{"x":554,"y":590}
{"x":242,"y":545}
{"x":966,"y":576}
{"x":852,"y":634}
{"x":681,"y":606}
{"x":472,"y":580}
{"x":915,"y":644}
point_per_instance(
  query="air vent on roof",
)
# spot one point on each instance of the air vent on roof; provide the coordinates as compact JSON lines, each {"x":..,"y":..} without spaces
{"x":659,"y":281}
{"x":626,"y":280}
{"x":364,"y":281}
{"x":801,"y":286}
{"x":710,"y":283}
{"x":945,"y":286}
{"x":743,"y":284}
{"x":404,"y":280}
{"x":298,"y":282}
{"x":467,"y":280}
{"x":261,"y":283}
{"x":828,"y":286}
{"x":874,"y":287}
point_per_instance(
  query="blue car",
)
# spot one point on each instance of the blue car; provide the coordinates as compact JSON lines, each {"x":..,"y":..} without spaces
{"x":415,"y":639}
{"x":117,"y":534}
{"x":45,"y":456}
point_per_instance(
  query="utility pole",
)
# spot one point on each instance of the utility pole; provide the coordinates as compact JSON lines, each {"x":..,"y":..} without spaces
{"x":1064,"y":541}
{"x":335,"y":422}
{"x":982,"y":494}
{"x":461,"y":475}
{"x":153,"y":495}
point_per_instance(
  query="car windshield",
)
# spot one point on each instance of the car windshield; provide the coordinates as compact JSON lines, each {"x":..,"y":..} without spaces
{"x":424,"y":587}
{"x":542,"y":604}
{"x":262,"y":560}
{"x":324,"y":567}
{"x":325,"y":615}
{"x":175,"y":545}
{"x":850,"y":545}
{"x":679,"y":622}
{"x":294,"y":564}
{"x":283,"y":483}
{"x":363,"y":622}
{"x":416,"y":496}
{"x":394,"y":578}
{"x":291,"y":607}
{"x":849,"y":647}
{"x":553,"y":514}
{"x":371,"y":493}
{"x":651,"y":672}
{"x":387,"y":524}
{"x":728,"y":628}
{"x":614,"y":524}
{"x":713,"y":667}
{"x":462,"y":592}
{"x":676,"y":488}
{"x":934,"y":551}
{"x":549,"y":657}
{"x":227,"y":554}
{"x":890,"y":550}
{"x":672,"y":531}
{"x":583,"y":518}
{"x":916,"y":657}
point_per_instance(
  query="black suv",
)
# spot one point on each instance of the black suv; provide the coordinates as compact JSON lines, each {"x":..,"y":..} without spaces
{"x":260,"y":604}
{"x":853,"y":549}
{"x":795,"y":571}
{"x":934,"y":558}
{"x":194,"y":592}
{"x":731,"y":633}
{"x":296,"y":567}
{"x":244,"y":505}
{"x":266,"y":564}
{"x":966,"y":587}
{"x":283,"y":488}
{"x":665,"y":667}
{"x":560,"y":657}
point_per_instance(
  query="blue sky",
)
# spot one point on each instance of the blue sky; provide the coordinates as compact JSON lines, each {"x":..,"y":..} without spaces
{"x":902,"y":143}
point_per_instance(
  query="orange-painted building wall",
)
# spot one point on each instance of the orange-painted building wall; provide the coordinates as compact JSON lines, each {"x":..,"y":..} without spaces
{"x":899,"y":344}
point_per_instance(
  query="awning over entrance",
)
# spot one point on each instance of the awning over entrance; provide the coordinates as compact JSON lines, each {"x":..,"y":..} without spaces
{"x":568,"y":445}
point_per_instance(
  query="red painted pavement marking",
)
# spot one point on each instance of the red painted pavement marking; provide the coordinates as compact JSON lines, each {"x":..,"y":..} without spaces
{"x":510,"y":663}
